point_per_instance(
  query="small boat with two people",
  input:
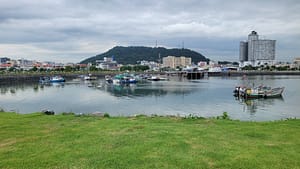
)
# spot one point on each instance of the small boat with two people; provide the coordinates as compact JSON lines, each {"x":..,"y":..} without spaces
{"x":258,"y":92}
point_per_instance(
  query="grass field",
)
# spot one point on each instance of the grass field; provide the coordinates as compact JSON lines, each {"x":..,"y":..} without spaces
{"x":68,"y":141}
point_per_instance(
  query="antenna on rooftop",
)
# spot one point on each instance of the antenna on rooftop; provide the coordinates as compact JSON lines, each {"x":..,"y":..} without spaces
{"x":159,"y":58}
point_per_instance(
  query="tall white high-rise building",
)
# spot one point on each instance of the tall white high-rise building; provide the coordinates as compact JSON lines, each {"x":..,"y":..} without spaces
{"x":257,"y":51}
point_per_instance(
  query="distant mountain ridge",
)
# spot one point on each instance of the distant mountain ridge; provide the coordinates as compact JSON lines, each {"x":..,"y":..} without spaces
{"x":132,"y":54}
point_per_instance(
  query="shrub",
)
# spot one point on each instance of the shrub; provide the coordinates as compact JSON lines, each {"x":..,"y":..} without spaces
{"x":68,"y":113}
{"x":106,"y":115}
{"x":225,"y":116}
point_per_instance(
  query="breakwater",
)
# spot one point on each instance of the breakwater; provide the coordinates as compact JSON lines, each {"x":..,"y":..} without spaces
{"x":22,"y":78}
{"x":252,"y":73}
{"x":17,"y":78}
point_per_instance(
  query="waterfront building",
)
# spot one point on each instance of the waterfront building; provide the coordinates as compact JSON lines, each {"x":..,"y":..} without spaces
{"x":174,"y":62}
{"x":257,"y":52}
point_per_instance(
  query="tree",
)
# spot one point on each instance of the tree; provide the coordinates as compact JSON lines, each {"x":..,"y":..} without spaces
{"x":124,"y":68}
{"x":68,"y":68}
{"x":93,"y":68}
{"x":34,"y":69}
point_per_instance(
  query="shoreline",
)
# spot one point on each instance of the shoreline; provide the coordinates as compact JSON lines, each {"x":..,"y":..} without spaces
{"x":30,"y":77}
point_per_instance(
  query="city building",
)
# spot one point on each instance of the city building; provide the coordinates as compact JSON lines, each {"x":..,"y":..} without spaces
{"x":4,"y":60}
{"x":153,"y":66}
{"x":108,"y":63}
{"x":174,"y":62}
{"x":297,"y":61}
{"x":257,"y":52}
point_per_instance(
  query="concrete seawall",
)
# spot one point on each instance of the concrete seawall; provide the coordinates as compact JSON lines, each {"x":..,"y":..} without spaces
{"x":11,"y":79}
{"x":17,"y":78}
{"x":256,"y":73}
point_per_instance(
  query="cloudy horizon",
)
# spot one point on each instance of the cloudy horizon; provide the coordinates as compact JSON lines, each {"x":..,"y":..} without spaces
{"x":73,"y":30}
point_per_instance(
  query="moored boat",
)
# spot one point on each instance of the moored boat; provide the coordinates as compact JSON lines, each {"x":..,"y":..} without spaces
{"x":258,"y":92}
{"x":108,"y":79}
{"x":157,"y":78}
{"x":53,"y":79}
{"x":90,"y":77}
{"x":124,"y":79}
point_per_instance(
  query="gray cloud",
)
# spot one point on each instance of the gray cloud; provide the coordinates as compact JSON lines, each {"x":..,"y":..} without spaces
{"x":71,"y":30}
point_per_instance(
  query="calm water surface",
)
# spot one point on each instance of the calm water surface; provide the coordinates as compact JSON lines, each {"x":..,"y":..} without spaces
{"x":206,"y":97}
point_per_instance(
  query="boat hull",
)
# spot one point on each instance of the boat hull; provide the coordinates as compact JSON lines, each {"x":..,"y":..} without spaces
{"x":254,"y":93}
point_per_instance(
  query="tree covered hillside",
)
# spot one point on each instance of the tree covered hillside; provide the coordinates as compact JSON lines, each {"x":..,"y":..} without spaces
{"x":130,"y":55}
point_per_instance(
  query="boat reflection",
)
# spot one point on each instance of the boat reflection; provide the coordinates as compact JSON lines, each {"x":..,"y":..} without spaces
{"x":253,"y":105}
{"x":147,"y":89}
{"x":14,"y":89}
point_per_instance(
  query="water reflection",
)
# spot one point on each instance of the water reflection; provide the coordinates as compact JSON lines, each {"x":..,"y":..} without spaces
{"x":14,"y":89}
{"x":147,"y":89}
{"x":132,"y":90}
{"x":254,"y":105}
{"x":206,"y":97}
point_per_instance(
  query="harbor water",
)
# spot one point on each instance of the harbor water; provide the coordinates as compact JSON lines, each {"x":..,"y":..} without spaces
{"x":207,"y":97}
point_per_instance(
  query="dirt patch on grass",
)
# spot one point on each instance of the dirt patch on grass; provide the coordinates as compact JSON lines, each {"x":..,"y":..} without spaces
{"x":7,"y":142}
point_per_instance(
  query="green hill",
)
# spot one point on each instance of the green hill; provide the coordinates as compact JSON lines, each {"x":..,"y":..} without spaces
{"x":132,"y":54}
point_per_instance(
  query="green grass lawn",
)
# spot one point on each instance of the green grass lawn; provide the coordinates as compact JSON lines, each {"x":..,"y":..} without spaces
{"x":68,"y":141}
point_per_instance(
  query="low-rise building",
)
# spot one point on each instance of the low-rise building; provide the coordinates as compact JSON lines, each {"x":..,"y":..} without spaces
{"x":174,"y":62}
{"x":107,"y":64}
{"x":297,"y":61}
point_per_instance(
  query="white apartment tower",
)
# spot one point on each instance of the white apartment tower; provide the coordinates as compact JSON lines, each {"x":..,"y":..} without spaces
{"x":257,"y":51}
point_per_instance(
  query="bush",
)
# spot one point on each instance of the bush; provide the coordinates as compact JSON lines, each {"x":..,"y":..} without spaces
{"x":106,"y":115}
{"x":225,"y":116}
{"x":68,"y":113}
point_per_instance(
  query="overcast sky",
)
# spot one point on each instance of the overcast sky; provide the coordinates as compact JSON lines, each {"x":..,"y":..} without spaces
{"x":73,"y":30}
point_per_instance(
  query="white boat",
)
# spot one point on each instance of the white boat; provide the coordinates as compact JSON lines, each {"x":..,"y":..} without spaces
{"x":90,"y":77}
{"x":53,"y":79}
{"x":157,"y":78}
{"x":57,"y":79}
{"x":108,"y":79}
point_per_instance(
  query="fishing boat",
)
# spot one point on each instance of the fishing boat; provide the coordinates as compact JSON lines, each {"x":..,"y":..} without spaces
{"x":90,"y":77}
{"x":157,"y":78}
{"x":108,"y":79}
{"x":258,"y":92}
{"x":53,"y":79}
{"x":123,"y":79}
{"x":274,"y":92}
